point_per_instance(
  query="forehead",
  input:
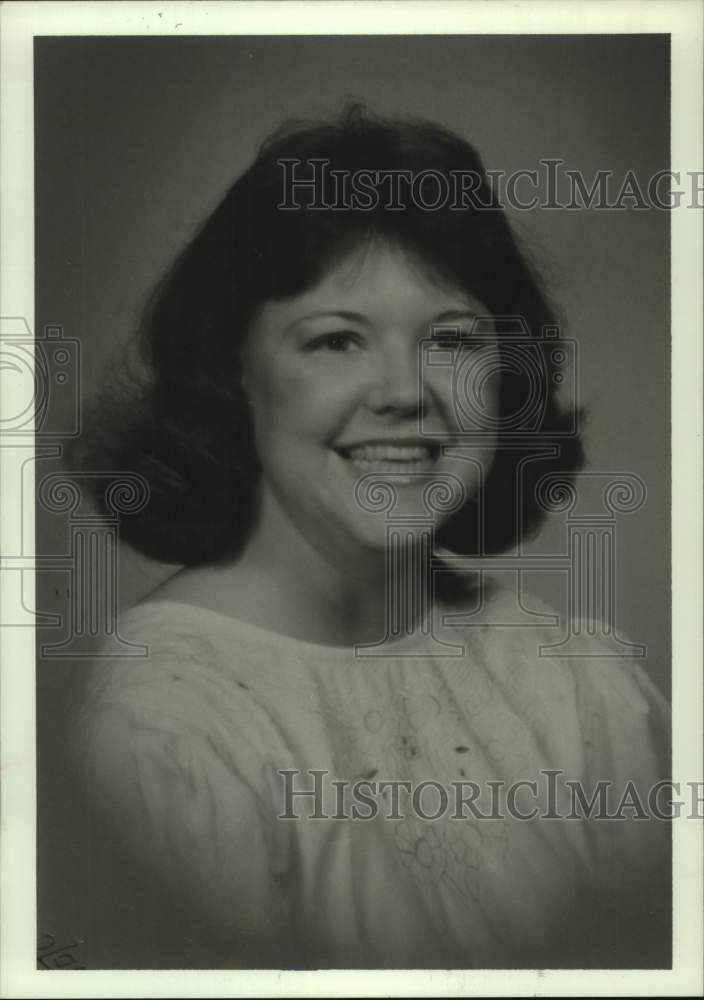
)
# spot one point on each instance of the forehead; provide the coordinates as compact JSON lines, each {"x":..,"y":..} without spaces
{"x":380,"y":280}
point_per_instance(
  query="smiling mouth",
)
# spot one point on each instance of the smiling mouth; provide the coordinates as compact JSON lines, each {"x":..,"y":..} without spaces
{"x":403,"y":458}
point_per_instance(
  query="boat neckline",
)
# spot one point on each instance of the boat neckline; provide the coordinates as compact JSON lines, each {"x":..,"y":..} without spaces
{"x":398,"y":646}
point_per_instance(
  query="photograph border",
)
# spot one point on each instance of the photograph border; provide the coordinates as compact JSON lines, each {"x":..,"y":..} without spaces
{"x":683,"y":20}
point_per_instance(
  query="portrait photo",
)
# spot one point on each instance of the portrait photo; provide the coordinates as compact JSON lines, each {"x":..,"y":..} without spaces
{"x":351,"y":457}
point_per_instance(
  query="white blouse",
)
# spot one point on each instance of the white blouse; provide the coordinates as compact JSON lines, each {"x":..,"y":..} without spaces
{"x":182,"y":752}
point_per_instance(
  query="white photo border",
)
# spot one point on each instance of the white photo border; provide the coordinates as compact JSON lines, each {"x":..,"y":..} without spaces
{"x":682,"y":20}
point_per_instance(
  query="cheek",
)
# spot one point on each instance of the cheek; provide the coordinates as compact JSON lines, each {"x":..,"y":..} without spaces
{"x":480,"y":385}
{"x":272,"y":391}
{"x":469,"y":392}
{"x":297,"y":405}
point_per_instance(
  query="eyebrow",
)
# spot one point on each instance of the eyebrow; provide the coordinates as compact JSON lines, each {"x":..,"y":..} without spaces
{"x":451,"y":314}
{"x":446,"y":317}
{"x":354,"y":317}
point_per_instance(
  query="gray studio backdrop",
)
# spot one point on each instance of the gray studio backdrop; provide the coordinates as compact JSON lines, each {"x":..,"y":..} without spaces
{"x":138,"y":138}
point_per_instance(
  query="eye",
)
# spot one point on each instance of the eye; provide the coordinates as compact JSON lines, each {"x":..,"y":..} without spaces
{"x":453,"y":341}
{"x":338,"y":342}
{"x":443,"y":343}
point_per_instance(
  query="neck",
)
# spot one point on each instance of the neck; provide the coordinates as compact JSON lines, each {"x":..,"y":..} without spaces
{"x":334,"y":593}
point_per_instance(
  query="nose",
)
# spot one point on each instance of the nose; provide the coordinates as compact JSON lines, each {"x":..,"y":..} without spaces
{"x":396,"y":385}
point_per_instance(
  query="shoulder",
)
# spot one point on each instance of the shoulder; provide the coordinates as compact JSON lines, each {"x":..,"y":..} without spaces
{"x":157,"y":650}
{"x":170,"y":683}
{"x":521,"y":638}
{"x":176,"y":766}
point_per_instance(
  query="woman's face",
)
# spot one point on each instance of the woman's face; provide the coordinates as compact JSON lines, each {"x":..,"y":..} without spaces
{"x":337,"y":392}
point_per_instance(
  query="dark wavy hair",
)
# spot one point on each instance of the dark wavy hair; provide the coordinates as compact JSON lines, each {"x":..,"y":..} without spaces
{"x":183,"y":423}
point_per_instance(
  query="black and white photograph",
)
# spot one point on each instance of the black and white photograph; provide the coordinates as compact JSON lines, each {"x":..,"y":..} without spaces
{"x":353,"y":561}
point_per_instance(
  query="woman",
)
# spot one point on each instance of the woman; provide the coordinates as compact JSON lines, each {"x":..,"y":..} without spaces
{"x":284,"y":391}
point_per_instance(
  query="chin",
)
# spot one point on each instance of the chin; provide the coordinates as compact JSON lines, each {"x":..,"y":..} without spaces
{"x":369,"y":539}
{"x":374,"y":536}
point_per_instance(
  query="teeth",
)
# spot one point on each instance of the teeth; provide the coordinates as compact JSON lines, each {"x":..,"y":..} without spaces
{"x":415,"y":465}
{"x":392,"y":457}
{"x":389,"y":453}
